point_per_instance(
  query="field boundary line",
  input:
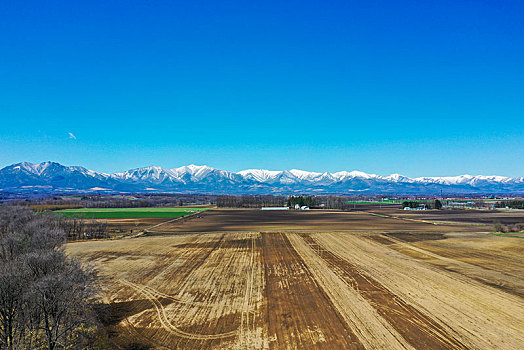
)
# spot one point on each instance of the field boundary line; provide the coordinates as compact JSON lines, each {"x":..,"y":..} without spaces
{"x":445,"y":223}
{"x":172,"y":220}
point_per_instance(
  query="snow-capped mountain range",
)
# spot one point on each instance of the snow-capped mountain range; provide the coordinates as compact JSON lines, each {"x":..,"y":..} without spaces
{"x":54,"y":177}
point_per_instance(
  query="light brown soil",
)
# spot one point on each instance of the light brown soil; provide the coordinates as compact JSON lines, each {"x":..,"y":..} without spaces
{"x":378,"y":283}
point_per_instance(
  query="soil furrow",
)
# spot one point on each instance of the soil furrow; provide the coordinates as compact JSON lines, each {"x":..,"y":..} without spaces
{"x":479,"y":316}
{"x":417,"y":328}
{"x":299,"y":314}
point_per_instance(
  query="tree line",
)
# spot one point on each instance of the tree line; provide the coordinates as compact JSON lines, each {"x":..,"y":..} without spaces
{"x":46,"y":297}
{"x":301,"y":201}
{"x":258,"y":201}
{"x":79,"y":227}
{"x":513,"y":204}
{"x":436,"y":204}
{"x":250,"y":201}
{"x":55,"y":202}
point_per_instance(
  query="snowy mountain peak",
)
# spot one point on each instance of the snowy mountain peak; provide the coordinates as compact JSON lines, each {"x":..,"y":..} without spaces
{"x":148,"y":173}
{"x":194,"y":171}
{"x":205,"y":179}
{"x":259,"y":174}
{"x":398,"y":178}
{"x":192,"y":168}
{"x":353,"y":174}
{"x":301,"y":174}
{"x":35,"y":168}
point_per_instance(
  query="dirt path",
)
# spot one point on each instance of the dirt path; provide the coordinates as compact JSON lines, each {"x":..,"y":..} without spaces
{"x":179,"y":219}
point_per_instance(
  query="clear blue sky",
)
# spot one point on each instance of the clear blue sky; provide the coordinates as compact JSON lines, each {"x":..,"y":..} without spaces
{"x":415,"y":87}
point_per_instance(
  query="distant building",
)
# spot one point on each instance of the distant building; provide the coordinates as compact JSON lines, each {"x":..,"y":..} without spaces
{"x":418,"y":208}
{"x":275,"y":208}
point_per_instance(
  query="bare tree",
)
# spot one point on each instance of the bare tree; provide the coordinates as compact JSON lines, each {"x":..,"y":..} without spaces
{"x":46,"y":298}
{"x":12,"y":288}
{"x":60,"y":296}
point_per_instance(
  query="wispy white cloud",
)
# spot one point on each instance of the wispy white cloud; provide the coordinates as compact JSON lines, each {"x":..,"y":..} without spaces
{"x":72,"y":136}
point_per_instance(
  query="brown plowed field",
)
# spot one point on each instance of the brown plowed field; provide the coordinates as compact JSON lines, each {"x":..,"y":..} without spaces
{"x":317,"y":220}
{"x":471,"y":216}
{"x":316,"y":280}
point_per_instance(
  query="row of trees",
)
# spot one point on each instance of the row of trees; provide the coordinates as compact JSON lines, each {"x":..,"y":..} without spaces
{"x":76,"y":228}
{"x":334,"y":202}
{"x":436,"y":204}
{"x":309,"y":201}
{"x":324,"y":201}
{"x":114,"y":201}
{"x":225,"y":201}
{"x":411,"y":204}
{"x":252,"y":201}
{"x":46,"y":298}
{"x":513,"y":204}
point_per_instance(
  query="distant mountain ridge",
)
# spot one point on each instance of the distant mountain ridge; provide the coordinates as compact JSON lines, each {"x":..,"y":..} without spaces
{"x":54,"y":177}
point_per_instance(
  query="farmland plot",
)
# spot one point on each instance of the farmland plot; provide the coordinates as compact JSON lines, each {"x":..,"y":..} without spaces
{"x":124,"y":213}
{"x":310,"y":290}
{"x":199,"y":291}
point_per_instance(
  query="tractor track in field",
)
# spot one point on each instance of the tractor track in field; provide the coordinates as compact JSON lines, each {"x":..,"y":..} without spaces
{"x":147,"y":340}
{"x":158,"y":294}
{"x":168,"y":326}
{"x":247,"y":312}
